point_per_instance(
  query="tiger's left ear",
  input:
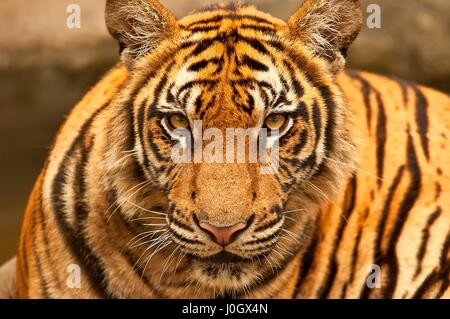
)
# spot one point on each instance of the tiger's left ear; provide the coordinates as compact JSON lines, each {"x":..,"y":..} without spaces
{"x":139,"y":26}
{"x":327,"y":27}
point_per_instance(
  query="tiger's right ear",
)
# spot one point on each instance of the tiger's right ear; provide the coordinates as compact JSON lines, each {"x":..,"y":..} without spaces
{"x":327,"y":27}
{"x":139,"y":26}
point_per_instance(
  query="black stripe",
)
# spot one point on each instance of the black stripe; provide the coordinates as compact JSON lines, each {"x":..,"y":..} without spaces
{"x":219,"y":18}
{"x":161,"y":159}
{"x":299,"y":90}
{"x":202,"y":29}
{"x":42,"y":281}
{"x":202,"y":64}
{"x":425,"y":237}
{"x":306,"y":263}
{"x":445,"y":267}
{"x":407,"y":204}
{"x":74,"y":239}
{"x":426,"y":285}
{"x":198,"y":66}
{"x":181,"y":225}
{"x":198,"y":104}
{"x":422,"y":118}
{"x":142,"y":110}
{"x":253,"y":64}
{"x":317,"y":120}
{"x":255,"y":44}
{"x":366,"y":90}
{"x":204,"y":45}
{"x":258,"y":28}
{"x":191,"y":84}
{"x":347,"y":211}
{"x":81,"y":210}
{"x":382,"y":223}
{"x":186,"y":240}
{"x":442,"y":272}
{"x":146,"y":113}
{"x":386,"y":209}
{"x":354,"y":258}
{"x":327,"y":97}
{"x":263,"y":240}
{"x":353,"y":262}
{"x":46,"y":242}
{"x":285,"y":169}
{"x":403,"y":87}
{"x":250,"y":104}
{"x":269,"y":224}
{"x":381,"y":138}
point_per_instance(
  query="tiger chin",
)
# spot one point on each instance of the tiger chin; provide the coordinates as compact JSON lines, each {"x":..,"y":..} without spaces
{"x":357,"y":207}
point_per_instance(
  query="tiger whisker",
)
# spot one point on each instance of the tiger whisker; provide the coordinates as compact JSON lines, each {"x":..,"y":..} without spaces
{"x":163,"y":245}
{"x":166,"y":263}
{"x":326,"y":197}
{"x":156,"y":244}
{"x":113,"y":166}
{"x":290,"y":218}
{"x":294,"y":210}
{"x":287,"y":238}
{"x":143,"y":218}
{"x":183,"y":254}
{"x":154,"y":224}
{"x":144,"y":209}
{"x":277,"y":252}
{"x":144,"y":243}
{"x":275,"y":261}
{"x":319,"y":190}
{"x":148,"y":248}
{"x":285,"y":250}
{"x":145,"y":234}
{"x":143,"y":185}
{"x":291,"y":234}
{"x":270,"y":263}
{"x":154,"y":241}
{"x":355,"y":168}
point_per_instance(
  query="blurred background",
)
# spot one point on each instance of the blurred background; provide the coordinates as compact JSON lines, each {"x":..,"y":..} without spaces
{"x":46,"y":67}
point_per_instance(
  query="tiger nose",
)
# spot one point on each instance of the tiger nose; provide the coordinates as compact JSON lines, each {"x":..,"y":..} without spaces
{"x":223,"y":235}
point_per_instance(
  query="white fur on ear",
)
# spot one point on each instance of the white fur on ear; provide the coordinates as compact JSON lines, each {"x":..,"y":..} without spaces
{"x":138,"y":25}
{"x":327,"y":27}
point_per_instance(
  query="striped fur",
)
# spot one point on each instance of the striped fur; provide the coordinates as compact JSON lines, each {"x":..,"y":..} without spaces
{"x":362,"y":177}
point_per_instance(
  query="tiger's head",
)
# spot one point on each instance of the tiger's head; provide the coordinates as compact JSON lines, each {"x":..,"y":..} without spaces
{"x":232,"y":67}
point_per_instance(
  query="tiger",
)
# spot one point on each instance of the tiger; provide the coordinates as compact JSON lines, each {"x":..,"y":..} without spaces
{"x":358,"y":207}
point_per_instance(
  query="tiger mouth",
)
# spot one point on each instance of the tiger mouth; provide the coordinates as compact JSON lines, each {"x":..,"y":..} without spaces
{"x":222,"y":258}
{"x":225,"y":257}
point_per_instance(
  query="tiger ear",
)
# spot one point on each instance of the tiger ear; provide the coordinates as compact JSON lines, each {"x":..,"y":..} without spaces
{"x":327,"y":27}
{"x":139,"y":26}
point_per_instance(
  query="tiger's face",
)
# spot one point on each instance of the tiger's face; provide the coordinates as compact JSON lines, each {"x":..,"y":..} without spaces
{"x":222,"y":70}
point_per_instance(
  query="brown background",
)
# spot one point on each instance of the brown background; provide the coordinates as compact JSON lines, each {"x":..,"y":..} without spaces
{"x":46,"y":67}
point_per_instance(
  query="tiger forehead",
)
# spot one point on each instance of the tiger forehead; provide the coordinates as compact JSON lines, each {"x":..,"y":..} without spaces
{"x":230,"y":76}
{"x":217,"y":14}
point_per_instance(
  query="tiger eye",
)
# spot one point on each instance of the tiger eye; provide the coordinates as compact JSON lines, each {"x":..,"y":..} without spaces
{"x":275,"y":121}
{"x":178,"y":121}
